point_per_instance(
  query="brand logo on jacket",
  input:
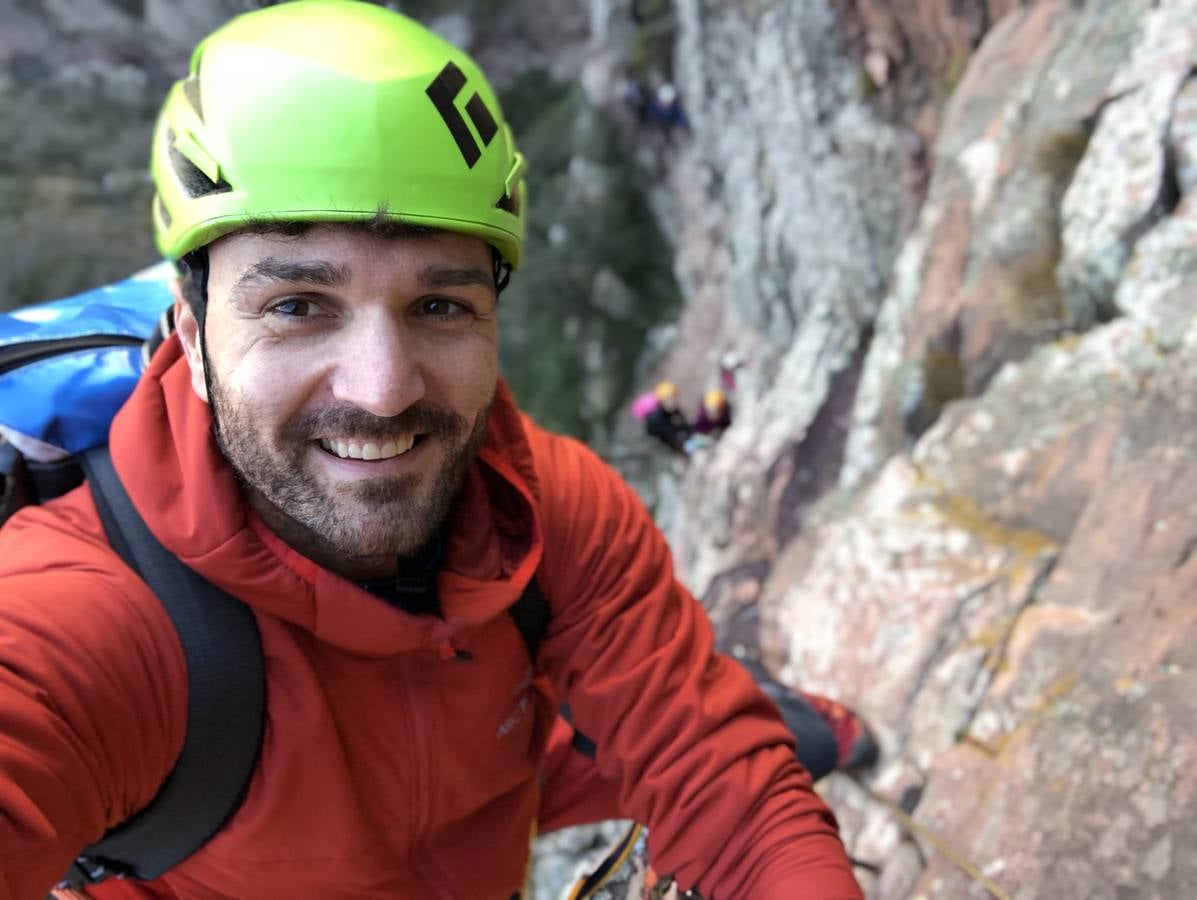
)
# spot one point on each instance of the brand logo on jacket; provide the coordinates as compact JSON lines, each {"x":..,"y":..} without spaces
{"x":523,"y":703}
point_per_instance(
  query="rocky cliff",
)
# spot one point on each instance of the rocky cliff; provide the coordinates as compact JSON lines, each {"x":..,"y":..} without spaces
{"x":957,"y":490}
{"x":951,"y":242}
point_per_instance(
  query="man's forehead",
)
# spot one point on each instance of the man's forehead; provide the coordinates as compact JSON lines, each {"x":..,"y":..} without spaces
{"x":301,"y":234}
{"x":332,"y":255}
{"x":268,"y":248}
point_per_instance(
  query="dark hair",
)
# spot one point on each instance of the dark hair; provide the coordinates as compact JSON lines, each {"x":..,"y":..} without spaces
{"x":193,"y":266}
{"x":193,"y":283}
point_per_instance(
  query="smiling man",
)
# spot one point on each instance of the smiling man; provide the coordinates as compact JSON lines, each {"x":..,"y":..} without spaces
{"x":328,"y":440}
{"x":350,"y":374}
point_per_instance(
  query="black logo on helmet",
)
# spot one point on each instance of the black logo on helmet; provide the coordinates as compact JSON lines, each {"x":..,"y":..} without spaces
{"x":442,"y":92}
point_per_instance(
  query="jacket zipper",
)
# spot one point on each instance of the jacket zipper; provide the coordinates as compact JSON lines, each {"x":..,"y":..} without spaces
{"x":438,"y":881}
{"x":16,"y":355}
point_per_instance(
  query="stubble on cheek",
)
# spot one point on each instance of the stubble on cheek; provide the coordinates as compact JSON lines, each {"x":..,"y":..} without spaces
{"x":368,"y":518}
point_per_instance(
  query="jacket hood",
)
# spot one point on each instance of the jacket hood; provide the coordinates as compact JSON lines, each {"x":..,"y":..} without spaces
{"x":164,"y":451}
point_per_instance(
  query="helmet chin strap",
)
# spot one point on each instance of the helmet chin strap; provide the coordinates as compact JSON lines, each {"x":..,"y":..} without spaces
{"x":502,"y":270}
{"x":193,"y":269}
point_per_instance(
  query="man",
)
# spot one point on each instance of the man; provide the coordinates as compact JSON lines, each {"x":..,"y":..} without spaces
{"x":327,"y":439}
{"x":712,"y":418}
{"x":714,"y":414}
{"x":665,"y":421}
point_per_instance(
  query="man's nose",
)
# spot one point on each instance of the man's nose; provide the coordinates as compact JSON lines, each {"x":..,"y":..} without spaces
{"x":380,"y":366}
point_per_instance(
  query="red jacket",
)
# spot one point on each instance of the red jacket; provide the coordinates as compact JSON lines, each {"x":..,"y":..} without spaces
{"x":388,"y":768}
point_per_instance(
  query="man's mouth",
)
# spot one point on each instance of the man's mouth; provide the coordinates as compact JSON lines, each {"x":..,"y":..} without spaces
{"x":370,"y":450}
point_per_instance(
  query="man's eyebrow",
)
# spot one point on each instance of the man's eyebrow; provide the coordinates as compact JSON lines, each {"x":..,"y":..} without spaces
{"x":435,"y":276}
{"x":282,"y":270}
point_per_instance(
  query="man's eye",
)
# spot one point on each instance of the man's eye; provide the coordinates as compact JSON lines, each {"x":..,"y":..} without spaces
{"x":293,"y":308}
{"x":440,"y":308}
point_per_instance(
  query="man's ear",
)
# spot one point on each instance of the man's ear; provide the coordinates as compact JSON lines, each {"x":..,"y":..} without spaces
{"x":189,"y":336}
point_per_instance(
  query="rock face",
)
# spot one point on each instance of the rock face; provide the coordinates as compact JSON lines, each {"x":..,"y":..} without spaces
{"x":913,"y":52}
{"x":1006,"y":604}
{"x":960,"y":497}
{"x":788,"y":225}
{"x":976,"y":286}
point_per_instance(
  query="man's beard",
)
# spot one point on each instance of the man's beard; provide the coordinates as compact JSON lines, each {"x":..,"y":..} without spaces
{"x":385,"y":516}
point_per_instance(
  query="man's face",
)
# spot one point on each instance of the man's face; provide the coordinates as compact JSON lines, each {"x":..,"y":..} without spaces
{"x":350,"y":377}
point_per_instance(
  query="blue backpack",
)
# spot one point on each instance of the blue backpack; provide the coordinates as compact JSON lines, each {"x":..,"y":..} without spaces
{"x":92,"y":346}
{"x":66,"y":367}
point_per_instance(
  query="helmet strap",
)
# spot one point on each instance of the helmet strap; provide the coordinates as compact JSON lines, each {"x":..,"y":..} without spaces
{"x":193,"y":269}
{"x":502,"y":270}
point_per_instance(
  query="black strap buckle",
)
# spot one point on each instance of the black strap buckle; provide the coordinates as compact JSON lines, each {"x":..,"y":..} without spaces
{"x":87,"y":870}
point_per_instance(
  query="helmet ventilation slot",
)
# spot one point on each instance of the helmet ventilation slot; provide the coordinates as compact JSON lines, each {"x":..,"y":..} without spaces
{"x":193,"y":180}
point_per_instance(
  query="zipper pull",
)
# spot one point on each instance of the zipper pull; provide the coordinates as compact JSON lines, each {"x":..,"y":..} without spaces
{"x":448,"y":652}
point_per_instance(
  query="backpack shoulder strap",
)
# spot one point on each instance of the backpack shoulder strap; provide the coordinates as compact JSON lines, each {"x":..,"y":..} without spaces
{"x":14,"y":488}
{"x":225,"y":708}
{"x":531,"y":616}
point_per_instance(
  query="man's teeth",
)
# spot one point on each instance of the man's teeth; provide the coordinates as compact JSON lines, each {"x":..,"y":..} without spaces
{"x":368,"y":449}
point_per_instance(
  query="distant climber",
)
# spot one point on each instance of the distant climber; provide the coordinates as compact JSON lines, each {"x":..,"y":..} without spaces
{"x":729,"y":363}
{"x":714,"y":414}
{"x":636,"y":98}
{"x":665,"y":421}
{"x":665,"y":108}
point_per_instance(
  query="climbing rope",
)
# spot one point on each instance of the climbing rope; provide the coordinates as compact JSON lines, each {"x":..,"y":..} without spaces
{"x":949,"y":852}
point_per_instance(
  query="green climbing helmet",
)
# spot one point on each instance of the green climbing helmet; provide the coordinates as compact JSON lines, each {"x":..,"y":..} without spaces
{"x":330,"y":111}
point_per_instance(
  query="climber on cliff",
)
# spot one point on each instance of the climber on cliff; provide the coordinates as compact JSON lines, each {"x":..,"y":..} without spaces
{"x":730,"y":362}
{"x":714,"y":414}
{"x":665,"y":421}
{"x":710,"y":420}
{"x":325,"y":443}
{"x":664,"y":108}
{"x":635,"y":96}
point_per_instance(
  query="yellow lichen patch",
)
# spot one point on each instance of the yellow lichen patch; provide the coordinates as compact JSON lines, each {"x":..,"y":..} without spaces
{"x":943,"y":377}
{"x":994,"y":641}
{"x":1058,"y":153}
{"x":992,"y":748}
{"x":1059,"y":785}
{"x":1129,"y":686}
{"x":1024,"y":544}
{"x":996,"y":746}
{"x":1055,"y":691}
{"x":1030,"y":297}
{"x":1062,"y":687}
{"x":993,"y":637}
{"x":953,"y":72}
